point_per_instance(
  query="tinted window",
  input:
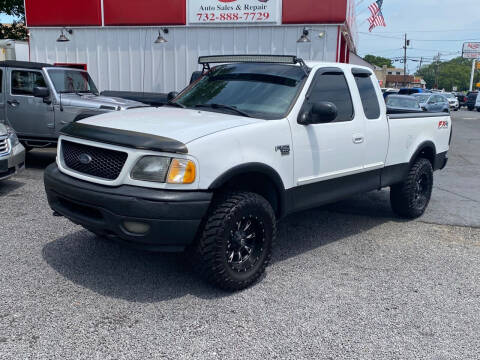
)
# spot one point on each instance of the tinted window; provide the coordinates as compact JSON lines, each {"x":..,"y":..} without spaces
{"x":332,"y":87}
{"x":368,"y":96}
{"x":263,"y":91}
{"x":23,"y":82}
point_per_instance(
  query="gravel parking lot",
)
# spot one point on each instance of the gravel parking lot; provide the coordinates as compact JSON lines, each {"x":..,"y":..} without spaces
{"x":347,"y":281}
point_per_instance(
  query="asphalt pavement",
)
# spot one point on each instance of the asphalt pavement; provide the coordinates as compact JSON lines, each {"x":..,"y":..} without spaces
{"x":349,"y":280}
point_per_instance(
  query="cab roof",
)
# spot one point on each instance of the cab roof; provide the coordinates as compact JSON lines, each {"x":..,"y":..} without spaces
{"x":23,"y":64}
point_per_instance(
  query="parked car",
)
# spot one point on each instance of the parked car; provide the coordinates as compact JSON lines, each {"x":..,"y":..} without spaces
{"x":462,"y":99}
{"x":40,"y":99}
{"x":402,"y":104}
{"x":433,"y":102}
{"x":410,"y":91}
{"x":452,"y":101}
{"x":471,"y":100}
{"x":253,"y":140}
{"x":389,"y":92}
{"x":12,"y":153}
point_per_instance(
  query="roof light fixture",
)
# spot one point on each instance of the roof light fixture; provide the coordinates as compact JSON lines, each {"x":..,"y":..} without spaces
{"x":304,"y":37}
{"x":160,"y":38}
{"x":62,"y":37}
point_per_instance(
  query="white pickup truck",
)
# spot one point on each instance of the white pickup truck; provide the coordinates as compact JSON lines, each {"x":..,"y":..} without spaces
{"x":254,"y":139}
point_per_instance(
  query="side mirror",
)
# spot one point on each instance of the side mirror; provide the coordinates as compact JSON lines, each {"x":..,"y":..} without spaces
{"x":171,"y":95}
{"x":318,"y":113}
{"x":195,"y":76}
{"x":41,"y":92}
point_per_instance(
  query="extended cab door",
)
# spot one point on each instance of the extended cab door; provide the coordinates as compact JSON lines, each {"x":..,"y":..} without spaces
{"x":376,"y":124}
{"x":30,"y":117}
{"x":329,"y":157}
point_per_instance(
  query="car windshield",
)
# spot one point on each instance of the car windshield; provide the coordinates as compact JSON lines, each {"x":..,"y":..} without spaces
{"x":72,"y":81}
{"x":450,"y":96}
{"x":401,"y":102}
{"x":422,"y":98}
{"x":265,"y":91}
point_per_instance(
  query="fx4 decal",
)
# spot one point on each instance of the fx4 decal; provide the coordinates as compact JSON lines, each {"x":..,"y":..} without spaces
{"x":443,"y":124}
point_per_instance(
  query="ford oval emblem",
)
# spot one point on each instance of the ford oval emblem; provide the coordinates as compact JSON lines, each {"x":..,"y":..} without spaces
{"x":85,"y":159}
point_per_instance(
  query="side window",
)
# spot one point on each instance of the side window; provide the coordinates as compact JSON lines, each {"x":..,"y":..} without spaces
{"x":369,"y":97}
{"x":24,"y":81}
{"x":332,"y":87}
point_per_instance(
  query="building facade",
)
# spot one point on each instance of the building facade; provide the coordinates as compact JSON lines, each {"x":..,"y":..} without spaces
{"x":121,"y":42}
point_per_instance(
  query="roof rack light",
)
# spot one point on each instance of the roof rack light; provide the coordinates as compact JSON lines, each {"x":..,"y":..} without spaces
{"x":266,"y":59}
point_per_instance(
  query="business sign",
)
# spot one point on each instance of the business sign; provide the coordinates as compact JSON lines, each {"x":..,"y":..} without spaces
{"x":233,"y":11}
{"x":471,"y":50}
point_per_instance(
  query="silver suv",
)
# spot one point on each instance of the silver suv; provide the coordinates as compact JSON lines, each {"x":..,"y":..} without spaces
{"x":40,"y":99}
{"x":12,"y":153}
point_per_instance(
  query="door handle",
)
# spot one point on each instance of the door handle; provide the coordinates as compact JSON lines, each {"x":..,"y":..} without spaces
{"x":13,"y":103}
{"x":357,"y":139}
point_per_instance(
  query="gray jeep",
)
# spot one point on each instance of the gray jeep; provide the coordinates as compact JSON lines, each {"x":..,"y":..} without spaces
{"x":40,"y":99}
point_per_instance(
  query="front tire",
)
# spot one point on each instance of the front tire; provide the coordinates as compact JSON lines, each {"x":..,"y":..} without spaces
{"x":235,"y":245}
{"x":410,"y":198}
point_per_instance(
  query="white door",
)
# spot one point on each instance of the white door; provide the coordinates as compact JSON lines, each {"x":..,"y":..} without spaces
{"x":376,"y":124}
{"x":328,"y":155}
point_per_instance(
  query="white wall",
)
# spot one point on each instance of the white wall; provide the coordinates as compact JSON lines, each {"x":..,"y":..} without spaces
{"x":117,"y":57}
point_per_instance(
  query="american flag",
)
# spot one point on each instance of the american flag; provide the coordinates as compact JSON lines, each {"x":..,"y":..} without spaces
{"x":377,"y":18}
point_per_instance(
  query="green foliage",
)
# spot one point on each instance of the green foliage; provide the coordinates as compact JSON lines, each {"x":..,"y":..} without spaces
{"x":455,"y":72}
{"x":378,"y":60}
{"x":17,"y":30}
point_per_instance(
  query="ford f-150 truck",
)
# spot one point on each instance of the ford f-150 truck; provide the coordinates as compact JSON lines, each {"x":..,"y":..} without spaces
{"x":39,"y":99}
{"x":254,"y":139}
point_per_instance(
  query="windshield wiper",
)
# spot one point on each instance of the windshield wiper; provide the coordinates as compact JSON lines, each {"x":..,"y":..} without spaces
{"x":176,"y":104}
{"x":222,"y":106}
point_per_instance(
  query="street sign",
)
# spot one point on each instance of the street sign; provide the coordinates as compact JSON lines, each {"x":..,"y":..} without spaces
{"x":234,"y":11}
{"x":478,"y":85}
{"x":471,"y":50}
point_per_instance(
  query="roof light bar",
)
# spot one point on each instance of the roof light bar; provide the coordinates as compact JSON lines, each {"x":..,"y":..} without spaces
{"x":266,"y":59}
{"x":220,"y":59}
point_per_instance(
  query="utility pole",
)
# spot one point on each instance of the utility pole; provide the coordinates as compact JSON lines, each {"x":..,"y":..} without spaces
{"x":437,"y":65}
{"x":472,"y":75}
{"x":421,"y":61}
{"x":406,"y":43}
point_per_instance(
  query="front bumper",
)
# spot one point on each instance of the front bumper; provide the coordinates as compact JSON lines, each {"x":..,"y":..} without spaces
{"x":13,"y":162}
{"x":173,"y":217}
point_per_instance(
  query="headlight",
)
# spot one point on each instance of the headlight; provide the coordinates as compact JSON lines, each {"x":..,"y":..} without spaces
{"x":12,"y":136}
{"x":151,"y":168}
{"x":164,"y":169}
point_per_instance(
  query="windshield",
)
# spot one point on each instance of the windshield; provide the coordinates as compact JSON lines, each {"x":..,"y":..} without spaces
{"x":72,"y":81}
{"x":450,"y":96}
{"x":402,"y":102}
{"x":264,"y":91}
{"x":422,"y":98}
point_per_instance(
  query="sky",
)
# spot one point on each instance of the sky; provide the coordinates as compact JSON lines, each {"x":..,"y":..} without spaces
{"x":432,"y":26}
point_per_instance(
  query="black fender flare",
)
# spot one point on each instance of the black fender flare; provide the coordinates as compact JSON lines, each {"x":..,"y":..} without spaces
{"x":424,"y":145}
{"x":254,"y":167}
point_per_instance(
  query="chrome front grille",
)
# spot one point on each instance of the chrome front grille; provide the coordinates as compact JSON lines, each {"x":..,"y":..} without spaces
{"x":4,"y":146}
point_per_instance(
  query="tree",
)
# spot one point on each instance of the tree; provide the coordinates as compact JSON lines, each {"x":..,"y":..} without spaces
{"x":17,"y":29}
{"x":455,"y":72}
{"x":378,"y":60}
